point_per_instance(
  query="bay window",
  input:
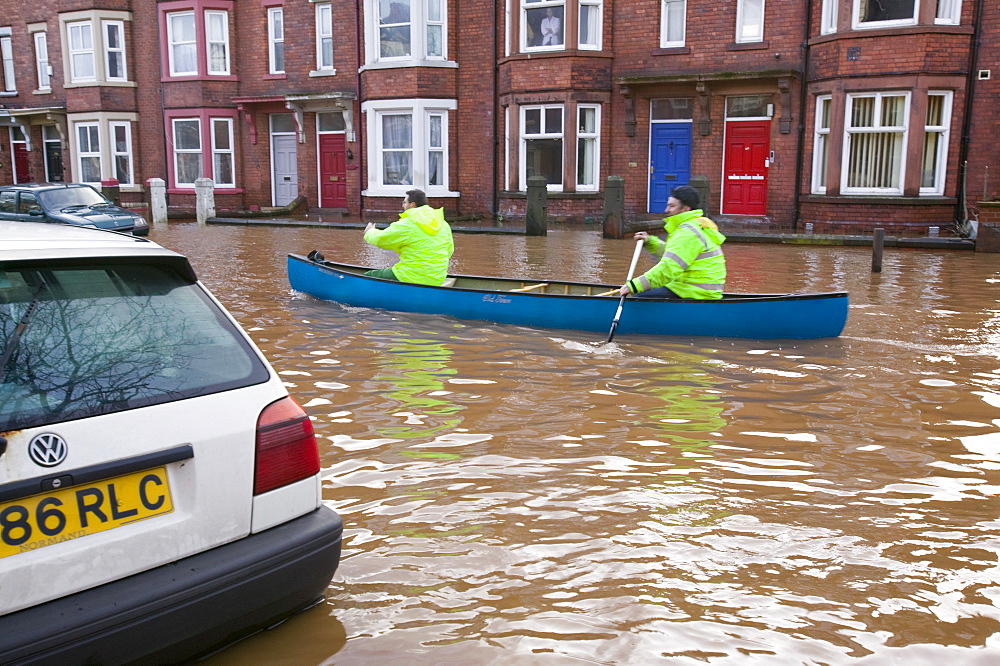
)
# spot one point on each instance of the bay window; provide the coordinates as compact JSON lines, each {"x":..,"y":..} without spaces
{"x":406,"y":32}
{"x":542,"y":145}
{"x":673,"y":23}
{"x":94,"y":47}
{"x":408,"y":146}
{"x":875,"y":142}
{"x":100,"y":146}
{"x":195,"y":38}
{"x":202,"y":146}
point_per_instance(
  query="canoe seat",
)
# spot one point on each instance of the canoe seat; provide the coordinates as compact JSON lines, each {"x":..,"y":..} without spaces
{"x":530,"y":287}
{"x":449,"y":282}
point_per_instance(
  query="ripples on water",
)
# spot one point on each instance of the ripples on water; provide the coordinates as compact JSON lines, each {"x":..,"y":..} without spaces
{"x":517,"y":495}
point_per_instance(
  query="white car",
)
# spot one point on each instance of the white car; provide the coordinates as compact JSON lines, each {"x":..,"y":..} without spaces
{"x":159,"y":489}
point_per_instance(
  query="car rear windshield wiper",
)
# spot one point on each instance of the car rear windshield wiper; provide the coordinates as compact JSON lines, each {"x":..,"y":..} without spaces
{"x":15,"y":337}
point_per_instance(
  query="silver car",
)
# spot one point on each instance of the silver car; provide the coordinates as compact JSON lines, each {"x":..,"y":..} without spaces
{"x":159,"y":489}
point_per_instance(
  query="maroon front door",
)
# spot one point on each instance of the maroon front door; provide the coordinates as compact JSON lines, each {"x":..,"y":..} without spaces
{"x":744,"y":189}
{"x":22,"y":172}
{"x":332,"y":171}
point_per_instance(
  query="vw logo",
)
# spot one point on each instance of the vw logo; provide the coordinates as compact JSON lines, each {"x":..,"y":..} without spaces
{"x":47,"y":450}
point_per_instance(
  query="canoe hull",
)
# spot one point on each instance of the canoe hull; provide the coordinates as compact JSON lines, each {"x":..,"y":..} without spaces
{"x":764,"y":316}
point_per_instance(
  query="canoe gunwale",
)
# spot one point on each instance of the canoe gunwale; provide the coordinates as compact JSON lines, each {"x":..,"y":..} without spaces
{"x":355,"y":271}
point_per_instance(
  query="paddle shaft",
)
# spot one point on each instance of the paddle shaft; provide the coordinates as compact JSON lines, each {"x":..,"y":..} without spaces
{"x":621,"y":301}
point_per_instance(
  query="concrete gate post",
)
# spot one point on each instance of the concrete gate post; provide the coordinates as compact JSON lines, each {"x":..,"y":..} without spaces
{"x":614,"y":207}
{"x":204,"y":189}
{"x":157,"y":200}
{"x":537,"y":219}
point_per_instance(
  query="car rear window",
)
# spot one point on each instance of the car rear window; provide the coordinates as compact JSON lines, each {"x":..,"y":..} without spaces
{"x":99,"y":339}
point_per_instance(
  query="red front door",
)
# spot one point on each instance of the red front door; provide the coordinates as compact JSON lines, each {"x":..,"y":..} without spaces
{"x":22,"y":172}
{"x":744,"y":189}
{"x":332,"y":171}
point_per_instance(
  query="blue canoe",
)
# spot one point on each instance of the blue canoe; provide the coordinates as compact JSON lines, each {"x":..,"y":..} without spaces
{"x":577,"y":305}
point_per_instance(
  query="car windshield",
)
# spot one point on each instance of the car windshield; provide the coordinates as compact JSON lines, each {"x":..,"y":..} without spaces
{"x":109,"y":338}
{"x":70,"y":196}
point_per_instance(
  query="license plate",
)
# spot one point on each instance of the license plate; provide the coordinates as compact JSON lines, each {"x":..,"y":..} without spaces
{"x":43,"y":520}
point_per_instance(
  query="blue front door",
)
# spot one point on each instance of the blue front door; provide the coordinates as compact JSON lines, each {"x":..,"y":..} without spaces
{"x":669,"y":161}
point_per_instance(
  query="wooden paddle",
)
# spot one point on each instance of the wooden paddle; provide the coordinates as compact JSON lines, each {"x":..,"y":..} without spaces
{"x":621,"y":301}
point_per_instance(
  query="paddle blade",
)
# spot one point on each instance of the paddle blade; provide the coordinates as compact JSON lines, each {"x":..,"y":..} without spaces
{"x":614,"y":322}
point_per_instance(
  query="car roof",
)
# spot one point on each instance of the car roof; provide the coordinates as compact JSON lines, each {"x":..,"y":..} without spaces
{"x":30,"y":241}
{"x":43,"y":186}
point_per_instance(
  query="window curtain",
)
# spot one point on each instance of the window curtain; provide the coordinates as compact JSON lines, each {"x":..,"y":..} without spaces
{"x":397,"y":149}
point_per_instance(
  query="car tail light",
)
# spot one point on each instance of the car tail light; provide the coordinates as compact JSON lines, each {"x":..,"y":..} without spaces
{"x":286,"y":446}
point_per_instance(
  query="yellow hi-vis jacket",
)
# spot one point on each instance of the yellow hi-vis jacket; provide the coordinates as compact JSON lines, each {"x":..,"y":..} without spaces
{"x":691,"y":261}
{"x":422,"y":239}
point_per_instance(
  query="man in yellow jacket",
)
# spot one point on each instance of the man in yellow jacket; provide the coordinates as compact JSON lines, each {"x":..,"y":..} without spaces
{"x":420,"y":237}
{"x":691,"y":261}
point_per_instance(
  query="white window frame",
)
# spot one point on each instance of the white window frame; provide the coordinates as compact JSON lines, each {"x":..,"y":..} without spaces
{"x":275,"y":39}
{"x":41,"y":42}
{"x":420,"y":110}
{"x":828,"y":19}
{"x":81,"y":52}
{"x":527,"y":5}
{"x":90,"y":153}
{"x":857,"y":23}
{"x":7,"y":56}
{"x":949,"y":12}
{"x":596,"y":44}
{"x":850,"y":134}
{"x":524,"y":137}
{"x":174,"y":43}
{"x":418,"y":24}
{"x":743,"y":18}
{"x":224,"y":42}
{"x":821,"y":143}
{"x":116,"y":154}
{"x":665,"y":24}
{"x":119,"y":26}
{"x":944,"y":132}
{"x":324,"y":35}
{"x":593,"y":137}
{"x":175,"y":151}
{"x":228,"y":154}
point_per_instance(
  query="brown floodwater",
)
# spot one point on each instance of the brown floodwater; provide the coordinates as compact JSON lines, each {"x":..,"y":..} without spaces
{"x":514,"y":495}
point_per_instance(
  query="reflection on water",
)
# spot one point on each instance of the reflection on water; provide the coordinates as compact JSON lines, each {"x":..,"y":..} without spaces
{"x":515,"y":495}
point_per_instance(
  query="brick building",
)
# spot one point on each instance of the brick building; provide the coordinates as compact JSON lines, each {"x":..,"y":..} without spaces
{"x":847,"y":114}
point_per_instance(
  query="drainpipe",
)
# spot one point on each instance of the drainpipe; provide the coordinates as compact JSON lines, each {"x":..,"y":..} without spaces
{"x":497,"y":109}
{"x":961,"y":212}
{"x":801,"y":130}
{"x":362,"y":155}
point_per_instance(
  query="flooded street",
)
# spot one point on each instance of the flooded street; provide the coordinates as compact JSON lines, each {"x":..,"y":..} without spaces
{"x":514,"y":495}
